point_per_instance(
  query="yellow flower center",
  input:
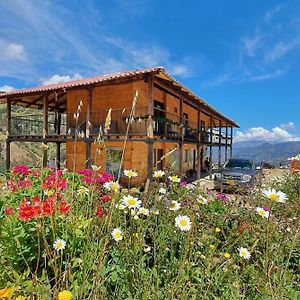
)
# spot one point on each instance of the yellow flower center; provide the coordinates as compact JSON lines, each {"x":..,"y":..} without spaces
{"x":273,"y":197}
{"x":131,"y":201}
{"x":59,"y":244}
{"x":262,"y":213}
{"x":227,"y":255}
{"x":183,"y":222}
{"x":243,"y":253}
{"x":118,"y":235}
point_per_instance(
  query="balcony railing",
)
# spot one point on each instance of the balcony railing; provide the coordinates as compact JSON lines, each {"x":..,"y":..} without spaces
{"x":165,"y":125}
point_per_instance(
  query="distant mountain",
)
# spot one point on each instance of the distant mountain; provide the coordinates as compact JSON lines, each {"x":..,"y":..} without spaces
{"x":272,"y":152}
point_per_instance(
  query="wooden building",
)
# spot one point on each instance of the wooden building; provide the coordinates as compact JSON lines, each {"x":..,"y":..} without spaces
{"x":166,"y":116}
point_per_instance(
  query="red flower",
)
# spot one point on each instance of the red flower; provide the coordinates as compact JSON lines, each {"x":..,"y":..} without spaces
{"x":25,"y":210}
{"x":64,"y":208}
{"x":8,"y":211}
{"x":105,"y":198}
{"x":37,"y":210}
{"x":100,"y":212}
{"x":21,"y":169}
{"x":48,"y":208}
{"x":25,"y":183}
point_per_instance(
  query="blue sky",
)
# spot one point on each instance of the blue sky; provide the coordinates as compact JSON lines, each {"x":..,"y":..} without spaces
{"x":241,"y":56}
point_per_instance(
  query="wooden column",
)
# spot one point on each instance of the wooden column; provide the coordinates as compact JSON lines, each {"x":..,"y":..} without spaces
{"x":231,"y":134}
{"x":199,"y":146}
{"x":8,"y":115}
{"x":45,"y":129}
{"x":220,"y":141}
{"x":58,"y":156}
{"x":226,"y":141}
{"x":88,"y":112}
{"x":150,"y":140}
{"x":7,"y":161}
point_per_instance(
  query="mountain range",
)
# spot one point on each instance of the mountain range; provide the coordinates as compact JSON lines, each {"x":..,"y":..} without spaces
{"x":271,"y":152}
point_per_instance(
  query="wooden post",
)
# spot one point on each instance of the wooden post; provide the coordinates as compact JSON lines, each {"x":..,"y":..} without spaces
{"x":180,"y":157}
{"x":58,"y":156}
{"x":45,"y":129}
{"x":8,"y":114}
{"x":88,"y":112}
{"x":181,"y":127}
{"x":231,"y":133}
{"x":226,"y":142}
{"x":210,"y":162}
{"x":199,"y":145}
{"x":150,"y":141}
{"x":7,"y":156}
{"x":220,"y":141}
{"x":210,"y":147}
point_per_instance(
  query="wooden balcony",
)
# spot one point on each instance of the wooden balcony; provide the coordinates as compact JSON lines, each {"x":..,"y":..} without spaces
{"x":66,"y":126}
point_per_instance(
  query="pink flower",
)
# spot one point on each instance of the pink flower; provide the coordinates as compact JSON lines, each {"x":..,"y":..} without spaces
{"x":21,"y":169}
{"x":86,"y":172}
{"x":36,"y":173}
{"x":12,"y":185}
{"x":88,"y":180}
{"x":25,"y":183}
{"x":104,"y":177}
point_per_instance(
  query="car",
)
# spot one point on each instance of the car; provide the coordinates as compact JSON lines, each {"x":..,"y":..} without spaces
{"x":238,"y":173}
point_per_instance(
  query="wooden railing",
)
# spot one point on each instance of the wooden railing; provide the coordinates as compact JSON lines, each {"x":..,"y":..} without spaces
{"x":165,"y":125}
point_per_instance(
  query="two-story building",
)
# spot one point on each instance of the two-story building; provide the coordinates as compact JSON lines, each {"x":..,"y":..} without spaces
{"x":151,"y":114}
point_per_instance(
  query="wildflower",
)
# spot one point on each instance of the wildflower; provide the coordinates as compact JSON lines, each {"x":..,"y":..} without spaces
{"x":227,"y":255}
{"x":6,"y":293}
{"x":48,"y":208}
{"x":174,"y":178}
{"x":244,"y":253}
{"x":104,"y":177}
{"x":96,"y":168}
{"x":155,"y":211}
{"x":130,"y":173}
{"x":117,"y":234}
{"x":162,"y":191}
{"x":8,"y":211}
{"x":82,"y":191}
{"x":85,"y":172}
{"x":183,"y":183}
{"x":174,"y":205}
{"x":65,"y":295}
{"x":217,"y":229}
{"x":21,"y":169}
{"x":25,"y":183}
{"x":158,"y":174}
{"x":183,"y":223}
{"x":136,"y":217}
{"x":100,"y":212}
{"x":147,"y":249}
{"x":222,"y":196}
{"x":105,"y":198}
{"x":202,"y":200}
{"x":131,"y":202}
{"x":274,"y":195}
{"x":49,"y":192}
{"x":144,"y":211}
{"x":64,"y":207}
{"x":212,"y":247}
{"x":262,"y":212}
{"x":120,"y":206}
{"x":111,"y":186}
{"x":25,"y":210}
{"x":20,"y":298}
{"x":59,"y":245}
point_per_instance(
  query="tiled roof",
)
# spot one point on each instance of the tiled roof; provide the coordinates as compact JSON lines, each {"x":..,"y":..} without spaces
{"x":82,"y":82}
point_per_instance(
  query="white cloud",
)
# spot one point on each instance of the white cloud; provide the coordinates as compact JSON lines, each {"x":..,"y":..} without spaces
{"x":60,"y":78}
{"x":252,"y":44}
{"x":281,"y":49}
{"x":266,"y":76}
{"x":6,"y":88}
{"x":271,"y":13}
{"x":262,"y":134}
{"x":289,"y":125}
{"x":16,"y":51}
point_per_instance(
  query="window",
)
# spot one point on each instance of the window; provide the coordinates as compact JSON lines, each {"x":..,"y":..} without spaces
{"x":175,"y":110}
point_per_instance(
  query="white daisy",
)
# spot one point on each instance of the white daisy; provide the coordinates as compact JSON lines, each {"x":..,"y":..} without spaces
{"x":202,"y":200}
{"x":162,"y":191}
{"x":158,"y":174}
{"x":59,"y":245}
{"x":48,"y":192}
{"x":155,"y":211}
{"x":144,"y":211}
{"x":244,"y":253}
{"x":130,"y":173}
{"x":183,"y":223}
{"x":175,"y":205}
{"x":111,"y":186}
{"x":117,"y":234}
{"x":131,"y":202}
{"x":82,"y":191}
{"x":262,"y":212}
{"x":274,"y":195}
{"x":174,"y":178}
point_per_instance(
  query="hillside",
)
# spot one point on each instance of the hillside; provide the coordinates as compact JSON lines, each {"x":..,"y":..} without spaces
{"x":268,"y":151}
